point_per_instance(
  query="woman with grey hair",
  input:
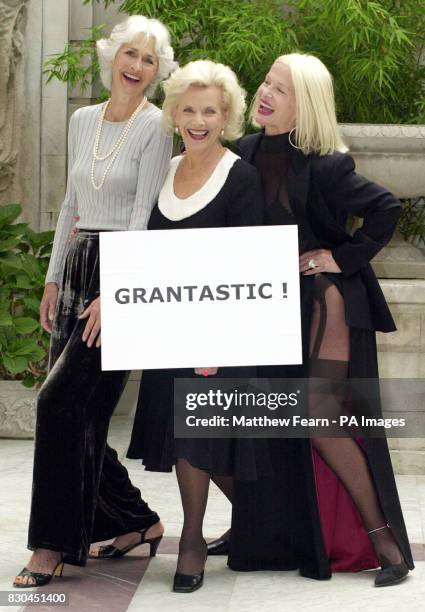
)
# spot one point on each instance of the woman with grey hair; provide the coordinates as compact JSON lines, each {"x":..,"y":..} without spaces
{"x":208,"y":186}
{"x":118,"y":158}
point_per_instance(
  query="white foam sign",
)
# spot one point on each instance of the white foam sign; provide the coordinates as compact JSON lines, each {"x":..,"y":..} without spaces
{"x":200,"y":297}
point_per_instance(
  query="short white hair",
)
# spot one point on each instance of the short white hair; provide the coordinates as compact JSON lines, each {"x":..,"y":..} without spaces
{"x":205,"y":73}
{"x":317,"y":129}
{"x":125,"y":33}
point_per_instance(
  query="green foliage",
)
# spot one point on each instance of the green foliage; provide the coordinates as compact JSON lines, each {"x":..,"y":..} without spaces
{"x":24,"y":258}
{"x":246,"y":35}
{"x":412,"y":221}
{"x":77,"y":64}
{"x":372,"y":50}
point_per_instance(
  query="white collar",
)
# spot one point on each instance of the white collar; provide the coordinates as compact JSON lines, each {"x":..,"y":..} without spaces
{"x":176,"y":209}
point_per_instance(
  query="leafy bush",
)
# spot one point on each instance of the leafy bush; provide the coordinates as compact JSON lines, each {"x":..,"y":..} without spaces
{"x":373,"y":48}
{"x":24,"y":258}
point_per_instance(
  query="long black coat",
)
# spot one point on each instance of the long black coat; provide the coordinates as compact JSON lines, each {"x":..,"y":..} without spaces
{"x":285,"y":513}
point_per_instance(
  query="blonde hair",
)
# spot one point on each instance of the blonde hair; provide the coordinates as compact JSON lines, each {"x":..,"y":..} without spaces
{"x":317,"y":129}
{"x":205,"y":73}
{"x":127,"y":32}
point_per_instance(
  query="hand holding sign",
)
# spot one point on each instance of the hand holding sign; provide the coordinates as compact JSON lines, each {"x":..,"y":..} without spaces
{"x":206,"y":371}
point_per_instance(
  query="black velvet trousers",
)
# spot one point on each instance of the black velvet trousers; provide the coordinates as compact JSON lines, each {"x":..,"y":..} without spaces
{"x":81,"y":492}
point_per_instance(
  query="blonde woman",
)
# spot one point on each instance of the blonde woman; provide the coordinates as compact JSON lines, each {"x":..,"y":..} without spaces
{"x":336,"y":507}
{"x":117,"y":162}
{"x":208,"y":186}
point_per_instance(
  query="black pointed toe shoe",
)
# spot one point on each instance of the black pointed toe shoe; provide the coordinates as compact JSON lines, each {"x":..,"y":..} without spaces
{"x":112,"y":552}
{"x":220,"y":546}
{"x":187,"y":583}
{"x":391,"y":574}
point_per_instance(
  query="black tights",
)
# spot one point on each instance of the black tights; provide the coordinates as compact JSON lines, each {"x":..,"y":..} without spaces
{"x":329,"y":359}
{"x":194,"y":485}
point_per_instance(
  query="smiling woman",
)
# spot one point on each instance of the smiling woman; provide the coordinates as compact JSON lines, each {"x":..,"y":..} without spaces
{"x":208,"y":186}
{"x":337,"y":492}
{"x":118,"y":158}
{"x":276,"y":86}
{"x":136,"y":64}
{"x":137,"y":28}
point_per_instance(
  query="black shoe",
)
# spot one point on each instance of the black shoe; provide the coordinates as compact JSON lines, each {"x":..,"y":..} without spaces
{"x":39,"y":578}
{"x":220,"y":546}
{"x":391,"y":574}
{"x":187,"y":583}
{"x":112,"y":552}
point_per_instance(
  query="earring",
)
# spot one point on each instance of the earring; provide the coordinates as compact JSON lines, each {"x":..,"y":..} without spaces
{"x":222,"y":133}
{"x":176,"y":130}
{"x":290,"y":141}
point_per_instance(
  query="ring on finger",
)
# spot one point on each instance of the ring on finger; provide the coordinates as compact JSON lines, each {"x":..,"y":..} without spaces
{"x":312,"y":263}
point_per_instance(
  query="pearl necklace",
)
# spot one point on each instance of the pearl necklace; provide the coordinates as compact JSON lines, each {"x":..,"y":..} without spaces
{"x":117,"y":146}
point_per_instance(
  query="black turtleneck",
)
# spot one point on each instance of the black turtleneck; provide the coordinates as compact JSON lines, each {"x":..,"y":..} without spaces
{"x":273,"y":160}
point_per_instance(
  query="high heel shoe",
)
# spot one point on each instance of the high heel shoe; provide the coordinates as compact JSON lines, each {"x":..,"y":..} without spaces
{"x":40,"y":578}
{"x":112,"y":552}
{"x":390,"y":573}
{"x":219,"y":546}
{"x":187,"y":583}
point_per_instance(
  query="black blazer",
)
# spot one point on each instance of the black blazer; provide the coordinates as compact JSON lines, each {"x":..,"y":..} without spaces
{"x":328,"y":188}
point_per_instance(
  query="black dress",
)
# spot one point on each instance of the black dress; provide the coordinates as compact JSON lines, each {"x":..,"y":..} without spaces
{"x":303,"y":517}
{"x":239,"y":202}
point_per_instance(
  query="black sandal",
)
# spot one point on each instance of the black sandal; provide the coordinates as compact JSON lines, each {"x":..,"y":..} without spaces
{"x":40,"y":578}
{"x":112,"y":552}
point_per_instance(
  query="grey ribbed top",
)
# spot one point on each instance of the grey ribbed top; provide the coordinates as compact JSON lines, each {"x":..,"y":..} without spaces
{"x":131,"y":186}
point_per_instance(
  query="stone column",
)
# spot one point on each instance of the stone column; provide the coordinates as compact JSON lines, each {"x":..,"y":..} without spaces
{"x":54,"y":124}
{"x":20,"y":61}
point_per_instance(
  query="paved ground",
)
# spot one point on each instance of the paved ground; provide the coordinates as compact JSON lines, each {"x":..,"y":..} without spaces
{"x":136,"y":583}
